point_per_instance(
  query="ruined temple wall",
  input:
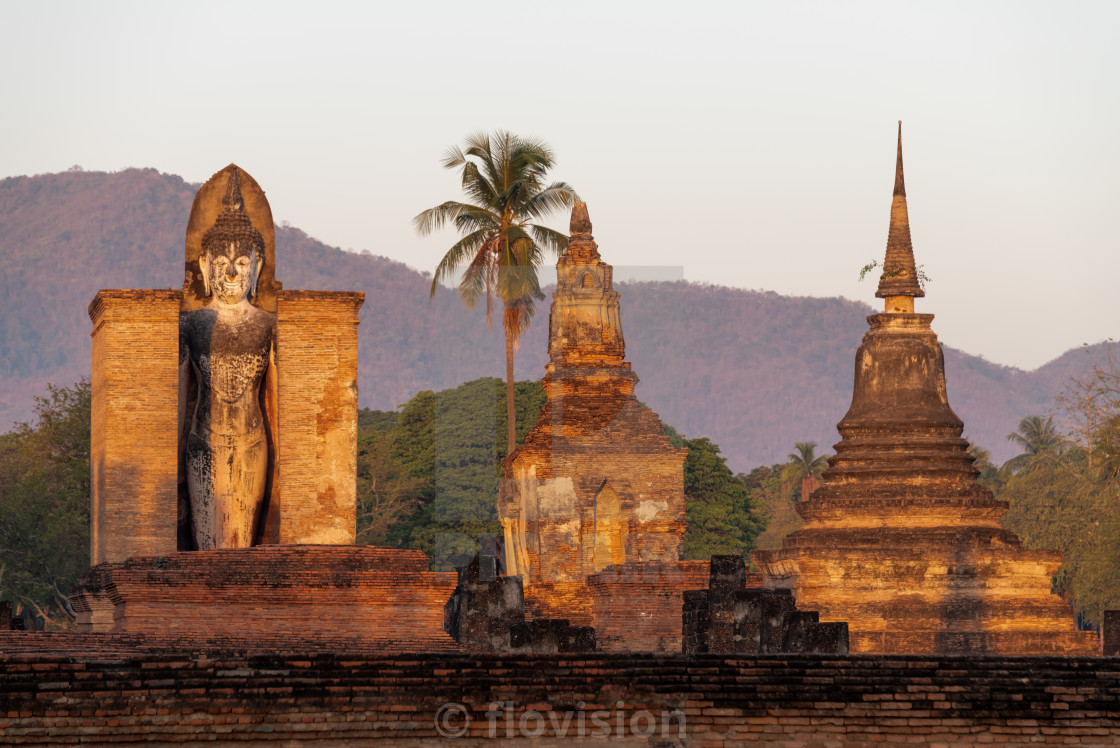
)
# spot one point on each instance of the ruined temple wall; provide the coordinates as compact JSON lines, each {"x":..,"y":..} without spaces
{"x":603,"y":506}
{"x":932,"y":597}
{"x":133,"y":429}
{"x":317,"y":371}
{"x":797,"y":701}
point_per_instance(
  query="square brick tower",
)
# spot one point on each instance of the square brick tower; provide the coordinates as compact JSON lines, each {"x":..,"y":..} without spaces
{"x":901,"y":540}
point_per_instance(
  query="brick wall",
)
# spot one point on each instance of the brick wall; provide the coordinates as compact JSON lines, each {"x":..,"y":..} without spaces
{"x":138,"y":692}
{"x":637,"y":607}
{"x":317,"y":369}
{"x":133,"y":440}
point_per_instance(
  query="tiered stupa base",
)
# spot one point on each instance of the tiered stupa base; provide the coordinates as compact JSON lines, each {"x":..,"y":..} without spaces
{"x":900,"y":540}
{"x":932,"y":596}
{"x":303,"y":592}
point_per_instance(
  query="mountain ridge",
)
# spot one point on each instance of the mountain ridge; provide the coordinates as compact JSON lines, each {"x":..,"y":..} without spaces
{"x":753,"y":370}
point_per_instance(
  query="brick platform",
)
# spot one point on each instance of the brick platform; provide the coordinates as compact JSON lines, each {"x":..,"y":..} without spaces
{"x":343,"y":592}
{"x":66,"y":696}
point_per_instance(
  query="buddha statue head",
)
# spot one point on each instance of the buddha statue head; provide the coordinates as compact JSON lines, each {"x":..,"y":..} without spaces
{"x":232,"y":250}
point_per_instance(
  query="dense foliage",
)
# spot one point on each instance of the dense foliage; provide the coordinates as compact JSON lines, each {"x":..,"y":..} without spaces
{"x":720,"y":515}
{"x":44,"y":504}
{"x":1064,"y":488}
{"x":428,"y":475}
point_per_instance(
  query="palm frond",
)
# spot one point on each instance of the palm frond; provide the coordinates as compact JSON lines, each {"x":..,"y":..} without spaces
{"x":552,"y":240}
{"x":558,"y":196}
{"x":476,"y":218}
{"x":478,"y":278}
{"x":435,"y":218}
{"x":453,"y":157}
{"x":477,"y":187}
{"x":467,"y":247}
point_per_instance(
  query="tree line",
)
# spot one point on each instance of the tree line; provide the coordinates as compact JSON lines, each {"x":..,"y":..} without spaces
{"x":1063,"y":488}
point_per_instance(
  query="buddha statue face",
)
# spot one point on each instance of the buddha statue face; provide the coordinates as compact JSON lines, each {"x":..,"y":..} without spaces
{"x":230,"y":273}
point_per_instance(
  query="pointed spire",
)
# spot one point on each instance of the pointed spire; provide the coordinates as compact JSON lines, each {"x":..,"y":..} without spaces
{"x":581,"y":222}
{"x":233,"y":199}
{"x":899,"y":182}
{"x":900,"y":275}
{"x":581,"y":246}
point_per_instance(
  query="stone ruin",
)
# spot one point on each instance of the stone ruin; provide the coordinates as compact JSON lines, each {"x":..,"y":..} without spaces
{"x":289,"y":633}
{"x":592,"y":504}
{"x":486,"y":612}
{"x":901,"y":540}
{"x":731,"y":616}
{"x":224,"y":435}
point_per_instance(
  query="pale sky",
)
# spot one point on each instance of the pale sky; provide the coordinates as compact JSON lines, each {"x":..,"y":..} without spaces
{"x":748,"y":144}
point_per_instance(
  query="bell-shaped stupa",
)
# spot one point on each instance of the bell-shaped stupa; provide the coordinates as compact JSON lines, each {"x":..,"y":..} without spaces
{"x":901,"y":540}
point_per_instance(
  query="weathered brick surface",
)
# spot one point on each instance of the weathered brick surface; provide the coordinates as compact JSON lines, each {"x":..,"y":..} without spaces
{"x":301,"y":591}
{"x":133,"y":441}
{"x":637,"y":607}
{"x":136,"y":691}
{"x":596,"y":483}
{"x":317,"y":369}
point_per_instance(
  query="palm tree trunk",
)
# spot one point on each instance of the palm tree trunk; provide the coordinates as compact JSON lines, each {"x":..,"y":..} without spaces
{"x":511,"y":424}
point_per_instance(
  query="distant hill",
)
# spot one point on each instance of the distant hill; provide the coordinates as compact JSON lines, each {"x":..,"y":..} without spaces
{"x":752,"y":370}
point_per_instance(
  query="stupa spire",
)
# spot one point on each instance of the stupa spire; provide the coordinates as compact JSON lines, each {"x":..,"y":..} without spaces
{"x":582,"y":244}
{"x":899,"y":281}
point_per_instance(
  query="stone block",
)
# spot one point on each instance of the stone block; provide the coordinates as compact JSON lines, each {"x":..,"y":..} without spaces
{"x":795,"y":623}
{"x":1110,"y":633}
{"x":578,"y":639}
{"x":826,"y":638}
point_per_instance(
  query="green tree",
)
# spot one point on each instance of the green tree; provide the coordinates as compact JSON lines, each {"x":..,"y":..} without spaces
{"x":804,"y":468}
{"x":720,"y":515}
{"x":1040,"y":441}
{"x":439,"y":460}
{"x":44,"y":504}
{"x":504,"y":178}
{"x":387,"y":492}
{"x":778,"y":502}
{"x":1066,"y":506}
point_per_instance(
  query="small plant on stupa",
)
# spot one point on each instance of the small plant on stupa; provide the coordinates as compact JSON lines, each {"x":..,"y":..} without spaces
{"x":923,"y":279}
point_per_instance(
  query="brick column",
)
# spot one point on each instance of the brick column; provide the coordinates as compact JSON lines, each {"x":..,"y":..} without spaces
{"x":133,"y":429}
{"x":317,"y":373}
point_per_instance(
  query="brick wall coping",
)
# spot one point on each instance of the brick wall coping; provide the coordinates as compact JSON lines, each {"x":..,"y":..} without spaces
{"x":233,"y":697}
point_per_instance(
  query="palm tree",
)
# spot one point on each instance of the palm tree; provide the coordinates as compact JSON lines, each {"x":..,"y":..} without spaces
{"x":1039,"y":439}
{"x":503,"y":176}
{"x":805,"y":467}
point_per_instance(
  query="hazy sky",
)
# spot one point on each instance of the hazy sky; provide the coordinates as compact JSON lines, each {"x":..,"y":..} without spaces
{"x":748,"y":144}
